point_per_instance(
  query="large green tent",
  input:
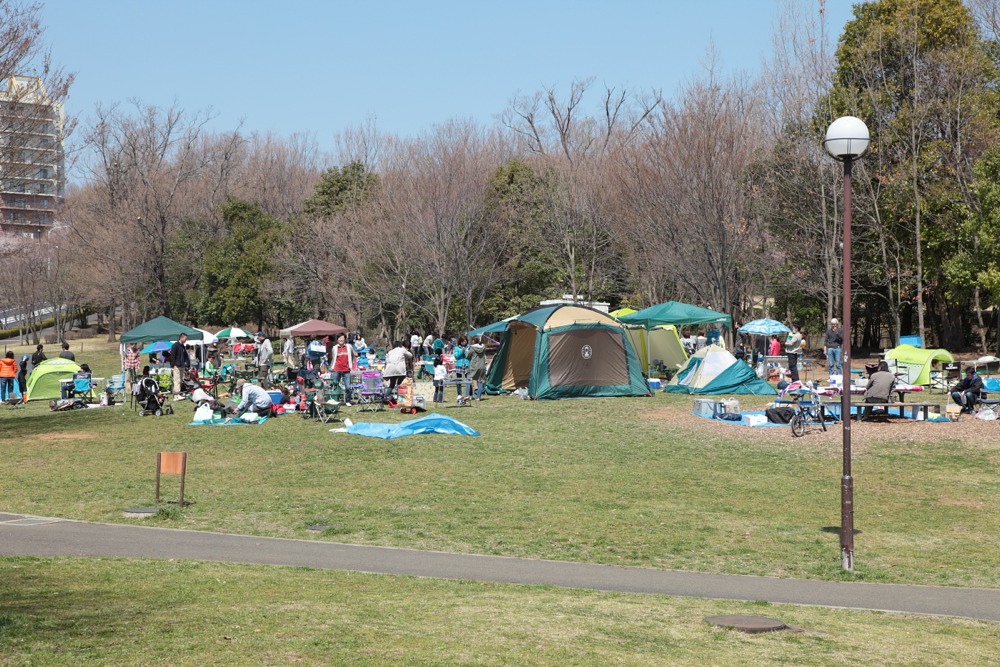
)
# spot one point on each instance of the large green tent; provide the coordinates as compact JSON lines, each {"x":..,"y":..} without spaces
{"x":159,"y":328}
{"x":566,"y":351}
{"x":676,"y":313}
{"x":43,"y":381}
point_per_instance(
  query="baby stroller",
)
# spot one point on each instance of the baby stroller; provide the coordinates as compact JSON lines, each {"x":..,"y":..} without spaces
{"x":150,"y":398}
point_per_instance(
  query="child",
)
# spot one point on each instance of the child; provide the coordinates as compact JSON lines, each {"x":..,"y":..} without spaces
{"x":440,"y":374}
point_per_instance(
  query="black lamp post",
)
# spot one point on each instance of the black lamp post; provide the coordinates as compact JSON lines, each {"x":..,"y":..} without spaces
{"x":847,"y":139}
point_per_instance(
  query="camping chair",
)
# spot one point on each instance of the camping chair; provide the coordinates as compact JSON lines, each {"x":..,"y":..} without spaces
{"x":371,"y":394}
{"x":116,"y":387}
{"x":83,"y":386}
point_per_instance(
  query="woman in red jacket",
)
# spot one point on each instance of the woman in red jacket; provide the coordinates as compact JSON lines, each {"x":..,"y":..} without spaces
{"x":341,"y":363}
{"x":8,"y":371}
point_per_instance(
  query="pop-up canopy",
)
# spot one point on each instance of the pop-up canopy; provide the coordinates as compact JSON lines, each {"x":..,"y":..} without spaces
{"x":159,"y":328}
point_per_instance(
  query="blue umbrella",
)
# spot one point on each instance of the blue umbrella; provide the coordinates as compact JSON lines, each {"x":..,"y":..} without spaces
{"x":161,"y":346}
{"x":764,"y":327}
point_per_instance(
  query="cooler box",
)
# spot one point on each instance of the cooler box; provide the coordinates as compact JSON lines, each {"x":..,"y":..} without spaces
{"x":275,"y":397}
{"x":705,"y":407}
{"x":731,"y":406}
{"x":654,"y":383}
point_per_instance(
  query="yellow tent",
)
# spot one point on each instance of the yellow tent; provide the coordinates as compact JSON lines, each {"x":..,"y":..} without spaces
{"x":622,"y":312}
{"x":661,"y":343}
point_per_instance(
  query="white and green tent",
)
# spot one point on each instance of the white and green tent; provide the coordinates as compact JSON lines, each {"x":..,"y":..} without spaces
{"x":713,"y":370}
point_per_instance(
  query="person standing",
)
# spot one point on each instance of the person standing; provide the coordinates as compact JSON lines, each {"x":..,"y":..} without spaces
{"x":395,"y":365}
{"x":288,"y":352}
{"x":415,"y":342}
{"x":428,"y":344}
{"x":130,"y":364}
{"x":8,"y":373}
{"x":831,"y":348}
{"x":264,"y":356}
{"x":477,"y":365}
{"x":38,"y":357}
{"x":793,"y":348}
{"x":440,"y":375}
{"x":462,"y":365}
{"x":342,"y":361}
{"x":67,"y":353}
{"x":22,"y":377}
{"x":180,"y":362}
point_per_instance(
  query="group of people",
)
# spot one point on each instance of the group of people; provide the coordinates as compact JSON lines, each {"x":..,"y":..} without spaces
{"x":14,"y":374}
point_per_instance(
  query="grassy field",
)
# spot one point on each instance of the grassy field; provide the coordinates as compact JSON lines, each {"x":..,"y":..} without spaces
{"x":617,"y":481}
{"x":112,"y":612}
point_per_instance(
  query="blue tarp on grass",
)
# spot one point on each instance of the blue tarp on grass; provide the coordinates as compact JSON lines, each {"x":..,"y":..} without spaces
{"x":432,"y":423}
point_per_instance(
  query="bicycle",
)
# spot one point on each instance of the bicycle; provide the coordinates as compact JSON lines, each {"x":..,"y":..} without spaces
{"x":809,"y":413}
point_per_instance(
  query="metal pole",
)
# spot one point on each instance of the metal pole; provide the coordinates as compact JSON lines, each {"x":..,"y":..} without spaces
{"x":846,"y":480}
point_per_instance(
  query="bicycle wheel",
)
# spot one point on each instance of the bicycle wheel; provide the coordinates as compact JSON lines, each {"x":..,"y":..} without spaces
{"x":818,"y":417}
{"x":798,"y":425}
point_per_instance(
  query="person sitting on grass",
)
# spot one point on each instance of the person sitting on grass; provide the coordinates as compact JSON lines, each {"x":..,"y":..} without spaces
{"x":968,"y":391}
{"x":253,"y":399}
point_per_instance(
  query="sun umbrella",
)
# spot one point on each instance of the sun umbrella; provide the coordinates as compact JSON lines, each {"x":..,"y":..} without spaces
{"x":161,"y":346}
{"x":234,"y":332}
{"x":764,"y":327}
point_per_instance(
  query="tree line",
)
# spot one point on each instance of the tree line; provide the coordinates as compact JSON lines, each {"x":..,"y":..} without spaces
{"x":720,"y":195}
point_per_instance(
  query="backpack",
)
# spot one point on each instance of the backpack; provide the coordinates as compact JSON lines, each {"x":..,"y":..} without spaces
{"x":779,"y":415}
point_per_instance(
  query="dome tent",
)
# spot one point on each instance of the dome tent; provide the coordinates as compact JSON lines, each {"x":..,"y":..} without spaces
{"x":713,"y":370}
{"x":43,"y":381}
{"x":566,"y":351}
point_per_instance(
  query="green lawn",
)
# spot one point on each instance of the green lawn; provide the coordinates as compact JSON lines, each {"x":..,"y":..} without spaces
{"x":618,"y":481}
{"x":115,"y":612}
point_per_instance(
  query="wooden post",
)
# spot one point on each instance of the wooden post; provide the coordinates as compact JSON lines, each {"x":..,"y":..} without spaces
{"x":171,"y":463}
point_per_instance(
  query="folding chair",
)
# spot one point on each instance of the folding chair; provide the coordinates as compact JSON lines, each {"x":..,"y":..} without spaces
{"x":83,"y":386}
{"x":371,"y":394}
{"x":116,"y":387}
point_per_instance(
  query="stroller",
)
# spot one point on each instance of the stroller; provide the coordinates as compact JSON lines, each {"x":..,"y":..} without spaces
{"x":150,"y":398}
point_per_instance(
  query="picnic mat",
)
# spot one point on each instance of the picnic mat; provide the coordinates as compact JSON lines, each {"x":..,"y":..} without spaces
{"x":432,"y":423}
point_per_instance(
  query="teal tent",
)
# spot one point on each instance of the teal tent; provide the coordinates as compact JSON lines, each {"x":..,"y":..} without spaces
{"x":676,"y":313}
{"x":713,"y":370}
{"x":159,"y":328}
{"x":566,"y":351}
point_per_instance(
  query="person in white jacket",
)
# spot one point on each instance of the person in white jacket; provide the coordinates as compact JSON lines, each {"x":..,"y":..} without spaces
{"x":395,"y":364}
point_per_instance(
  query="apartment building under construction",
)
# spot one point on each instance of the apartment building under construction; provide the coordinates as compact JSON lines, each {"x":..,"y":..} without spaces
{"x":32,"y":178}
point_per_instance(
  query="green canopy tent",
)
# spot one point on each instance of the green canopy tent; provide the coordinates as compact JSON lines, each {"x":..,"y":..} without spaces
{"x":566,"y":351}
{"x":43,"y":381}
{"x":670,"y":312}
{"x":676,"y":313}
{"x":159,"y":328}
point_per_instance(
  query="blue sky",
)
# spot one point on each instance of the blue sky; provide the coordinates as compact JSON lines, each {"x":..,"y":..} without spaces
{"x":322,"y":66}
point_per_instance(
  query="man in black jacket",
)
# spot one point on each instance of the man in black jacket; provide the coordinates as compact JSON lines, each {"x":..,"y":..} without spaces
{"x":967,"y":392}
{"x":179,"y":362}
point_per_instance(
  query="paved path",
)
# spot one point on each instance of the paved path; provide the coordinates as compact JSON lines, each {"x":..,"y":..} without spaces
{"x":22,"y":535}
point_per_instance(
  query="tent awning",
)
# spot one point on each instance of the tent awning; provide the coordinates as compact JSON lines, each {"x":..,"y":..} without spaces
{"x":315,"y":328}
{"x":159,"y":328}
{"x":500,"y":325}
{"x":676,"y":313}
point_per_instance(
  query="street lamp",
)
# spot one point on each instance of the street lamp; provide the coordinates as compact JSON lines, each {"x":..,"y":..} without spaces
{"x":847,"y":139}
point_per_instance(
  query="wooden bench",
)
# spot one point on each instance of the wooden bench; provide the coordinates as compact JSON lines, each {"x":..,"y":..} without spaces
{"x":923,"y":408}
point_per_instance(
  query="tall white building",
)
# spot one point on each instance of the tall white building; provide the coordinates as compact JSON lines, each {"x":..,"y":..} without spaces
{"x":32,"y":177}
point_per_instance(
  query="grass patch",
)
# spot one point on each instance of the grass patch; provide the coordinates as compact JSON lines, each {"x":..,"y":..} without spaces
{"x":106,"y":611}
{"x":615,"y":481}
